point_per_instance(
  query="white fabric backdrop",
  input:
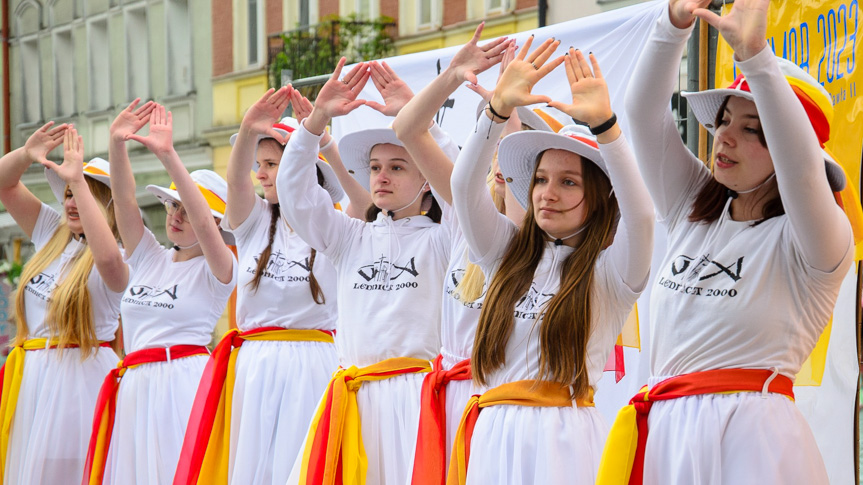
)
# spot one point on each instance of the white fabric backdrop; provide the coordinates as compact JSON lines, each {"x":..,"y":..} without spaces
{"x":616,"y":38}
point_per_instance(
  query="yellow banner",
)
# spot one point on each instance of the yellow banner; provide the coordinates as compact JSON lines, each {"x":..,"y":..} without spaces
{"x":824,"y":38}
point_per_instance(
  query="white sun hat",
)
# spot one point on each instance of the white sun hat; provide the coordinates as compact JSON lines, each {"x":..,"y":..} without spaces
{"x":536,"y":118}
{"x":212,"y":186}
{"x":356,"y":148}
{"x":517,"y":155}
{"x":287,"y":126}
{"x":97,"y":169}
{"x":815,"y":100}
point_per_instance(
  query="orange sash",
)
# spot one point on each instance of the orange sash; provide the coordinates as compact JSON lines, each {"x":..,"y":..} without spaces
{"x":519,"y":393}
{"x":204,"y":456}
{"x":334,"y":452}
{"x":430,"y":457}
{"x":623,"y":458}
{"x":106,"y":404}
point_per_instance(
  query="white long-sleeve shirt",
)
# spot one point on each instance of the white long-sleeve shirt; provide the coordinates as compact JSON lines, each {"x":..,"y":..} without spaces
{"x":621,"y":270}
{"x":730,"y":294}
{"x":390,"y":273}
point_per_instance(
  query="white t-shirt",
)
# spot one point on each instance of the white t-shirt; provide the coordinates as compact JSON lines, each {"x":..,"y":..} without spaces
{"x":37,"y":291}
{"x":283,"y":298}
{"x":170,"y":303}
{"x":390,"y":273}
{"x":459,"y":318}
{"x":620,"y":271}
{"x":732,"y":295}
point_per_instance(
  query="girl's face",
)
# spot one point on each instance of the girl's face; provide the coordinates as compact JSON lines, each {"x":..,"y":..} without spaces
{"x":741,"y":160}
{"x":268,"y":156}
{"x":499,"y":182}
{"x":395,"y":181}
{"x":71,"y":210}
{"x":558,"y":193}
{"x":177,"y":225}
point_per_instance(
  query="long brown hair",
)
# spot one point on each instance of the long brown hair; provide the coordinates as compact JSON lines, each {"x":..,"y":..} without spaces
{"x":565,"y":320}
{"x":710,"y":200}
{"x":70,"y":312}
{"x":264,"y":257}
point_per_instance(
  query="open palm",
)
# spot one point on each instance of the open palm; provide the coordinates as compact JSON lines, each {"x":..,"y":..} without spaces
{"x":43,"y":140}
{"x":160,"y":139}
{"x":744,"y":28}
{"x":130,"y":120}
{"x":72,"y":168}
{"x":590,"y":100}
{"x":260,"y":117}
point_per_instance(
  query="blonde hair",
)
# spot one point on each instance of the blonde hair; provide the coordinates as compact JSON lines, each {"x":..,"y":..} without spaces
{"x":70,"y":311}
{"x":470,"y":286}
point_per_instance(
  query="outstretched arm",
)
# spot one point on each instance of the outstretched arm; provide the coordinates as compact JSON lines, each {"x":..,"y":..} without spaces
{"x":632,"y":248}
{"x":307,"y":206}
{"x":414,"y":120}
{"x":128,"y":215}
{"x":257,"y":121}
{"x":820,"y":227}
{"x":106,"y":254}
{"x":359,"y":197}
{"x":670,"y":170}
{"x":483,"y":227}
{"x":160,"y":142}
{"x":21,"y":204}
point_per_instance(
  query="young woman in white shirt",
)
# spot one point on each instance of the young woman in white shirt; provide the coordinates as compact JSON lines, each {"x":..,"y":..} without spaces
{"x":67,"y":309}
{"x":389,"y":276}
{"x":560,"y":285}
{"x":286,"y":315}
{"x":174,"y":299}
{"x":757,"y":250}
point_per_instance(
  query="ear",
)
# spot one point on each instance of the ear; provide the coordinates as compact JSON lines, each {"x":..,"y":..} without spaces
{"x":426,"y":186}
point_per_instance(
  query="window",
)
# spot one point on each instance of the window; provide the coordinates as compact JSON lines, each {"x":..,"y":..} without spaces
{"x":495,"y":5}
{"x":99,"y":65}
{"x":366,"y":9}
{"x":254,"y":32}
{"x":137,"y":54}
{"x":304,"y":14}
{"x":31,"y":80}
{"x":179,"y":55}
{"x":64,"y":73}
{"x":425,"y":13}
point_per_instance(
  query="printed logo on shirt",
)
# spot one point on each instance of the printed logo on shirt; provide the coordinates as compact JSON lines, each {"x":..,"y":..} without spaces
{"x":687,"y":272}
{"x":41,"y":286}
{"x":383,"y":276}
{"x":278,"y":264}
{"x":452,"y":283}
{"x":531,"y":305}
{"x":152,"y":296}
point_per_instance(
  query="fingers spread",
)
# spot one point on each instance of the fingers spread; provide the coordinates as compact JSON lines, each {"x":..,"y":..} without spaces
{"x":525,"y":48}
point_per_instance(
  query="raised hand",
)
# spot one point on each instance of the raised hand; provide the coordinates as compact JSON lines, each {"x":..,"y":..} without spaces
{"x":506,"y":58}
{"x":261,"y":116}
{"x":680,"y":11}
{"x":43,"y":140}
{"x":301,"y":104}
{"x":744,"y":28}
{"x":130,"y":120}
{"x":393,"y":89}
{"x":590,"y":100}
{"x":160,"y":139}
{"x":473,"y":59}
{"x":338,"y":97}
{"x":72,"y":169}
{"x":514,"y":86}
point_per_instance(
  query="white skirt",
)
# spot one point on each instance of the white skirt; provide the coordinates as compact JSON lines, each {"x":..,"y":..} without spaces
{"x":523,"y":445}
{"x":277,"y":389}
{"x":53,"y":417}
{"x":390,"y":416}
{"x":738,"y":439}
{"x":153,"y":406}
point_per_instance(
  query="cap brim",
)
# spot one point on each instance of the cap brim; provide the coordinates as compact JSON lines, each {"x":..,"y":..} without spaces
{"x":356,"y":147}
{"x":517,"y":157}
{"x":705,"y":105}
{"x":58,"y":186}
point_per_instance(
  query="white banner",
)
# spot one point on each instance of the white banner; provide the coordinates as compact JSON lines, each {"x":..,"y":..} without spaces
{"x":616,"y":38}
